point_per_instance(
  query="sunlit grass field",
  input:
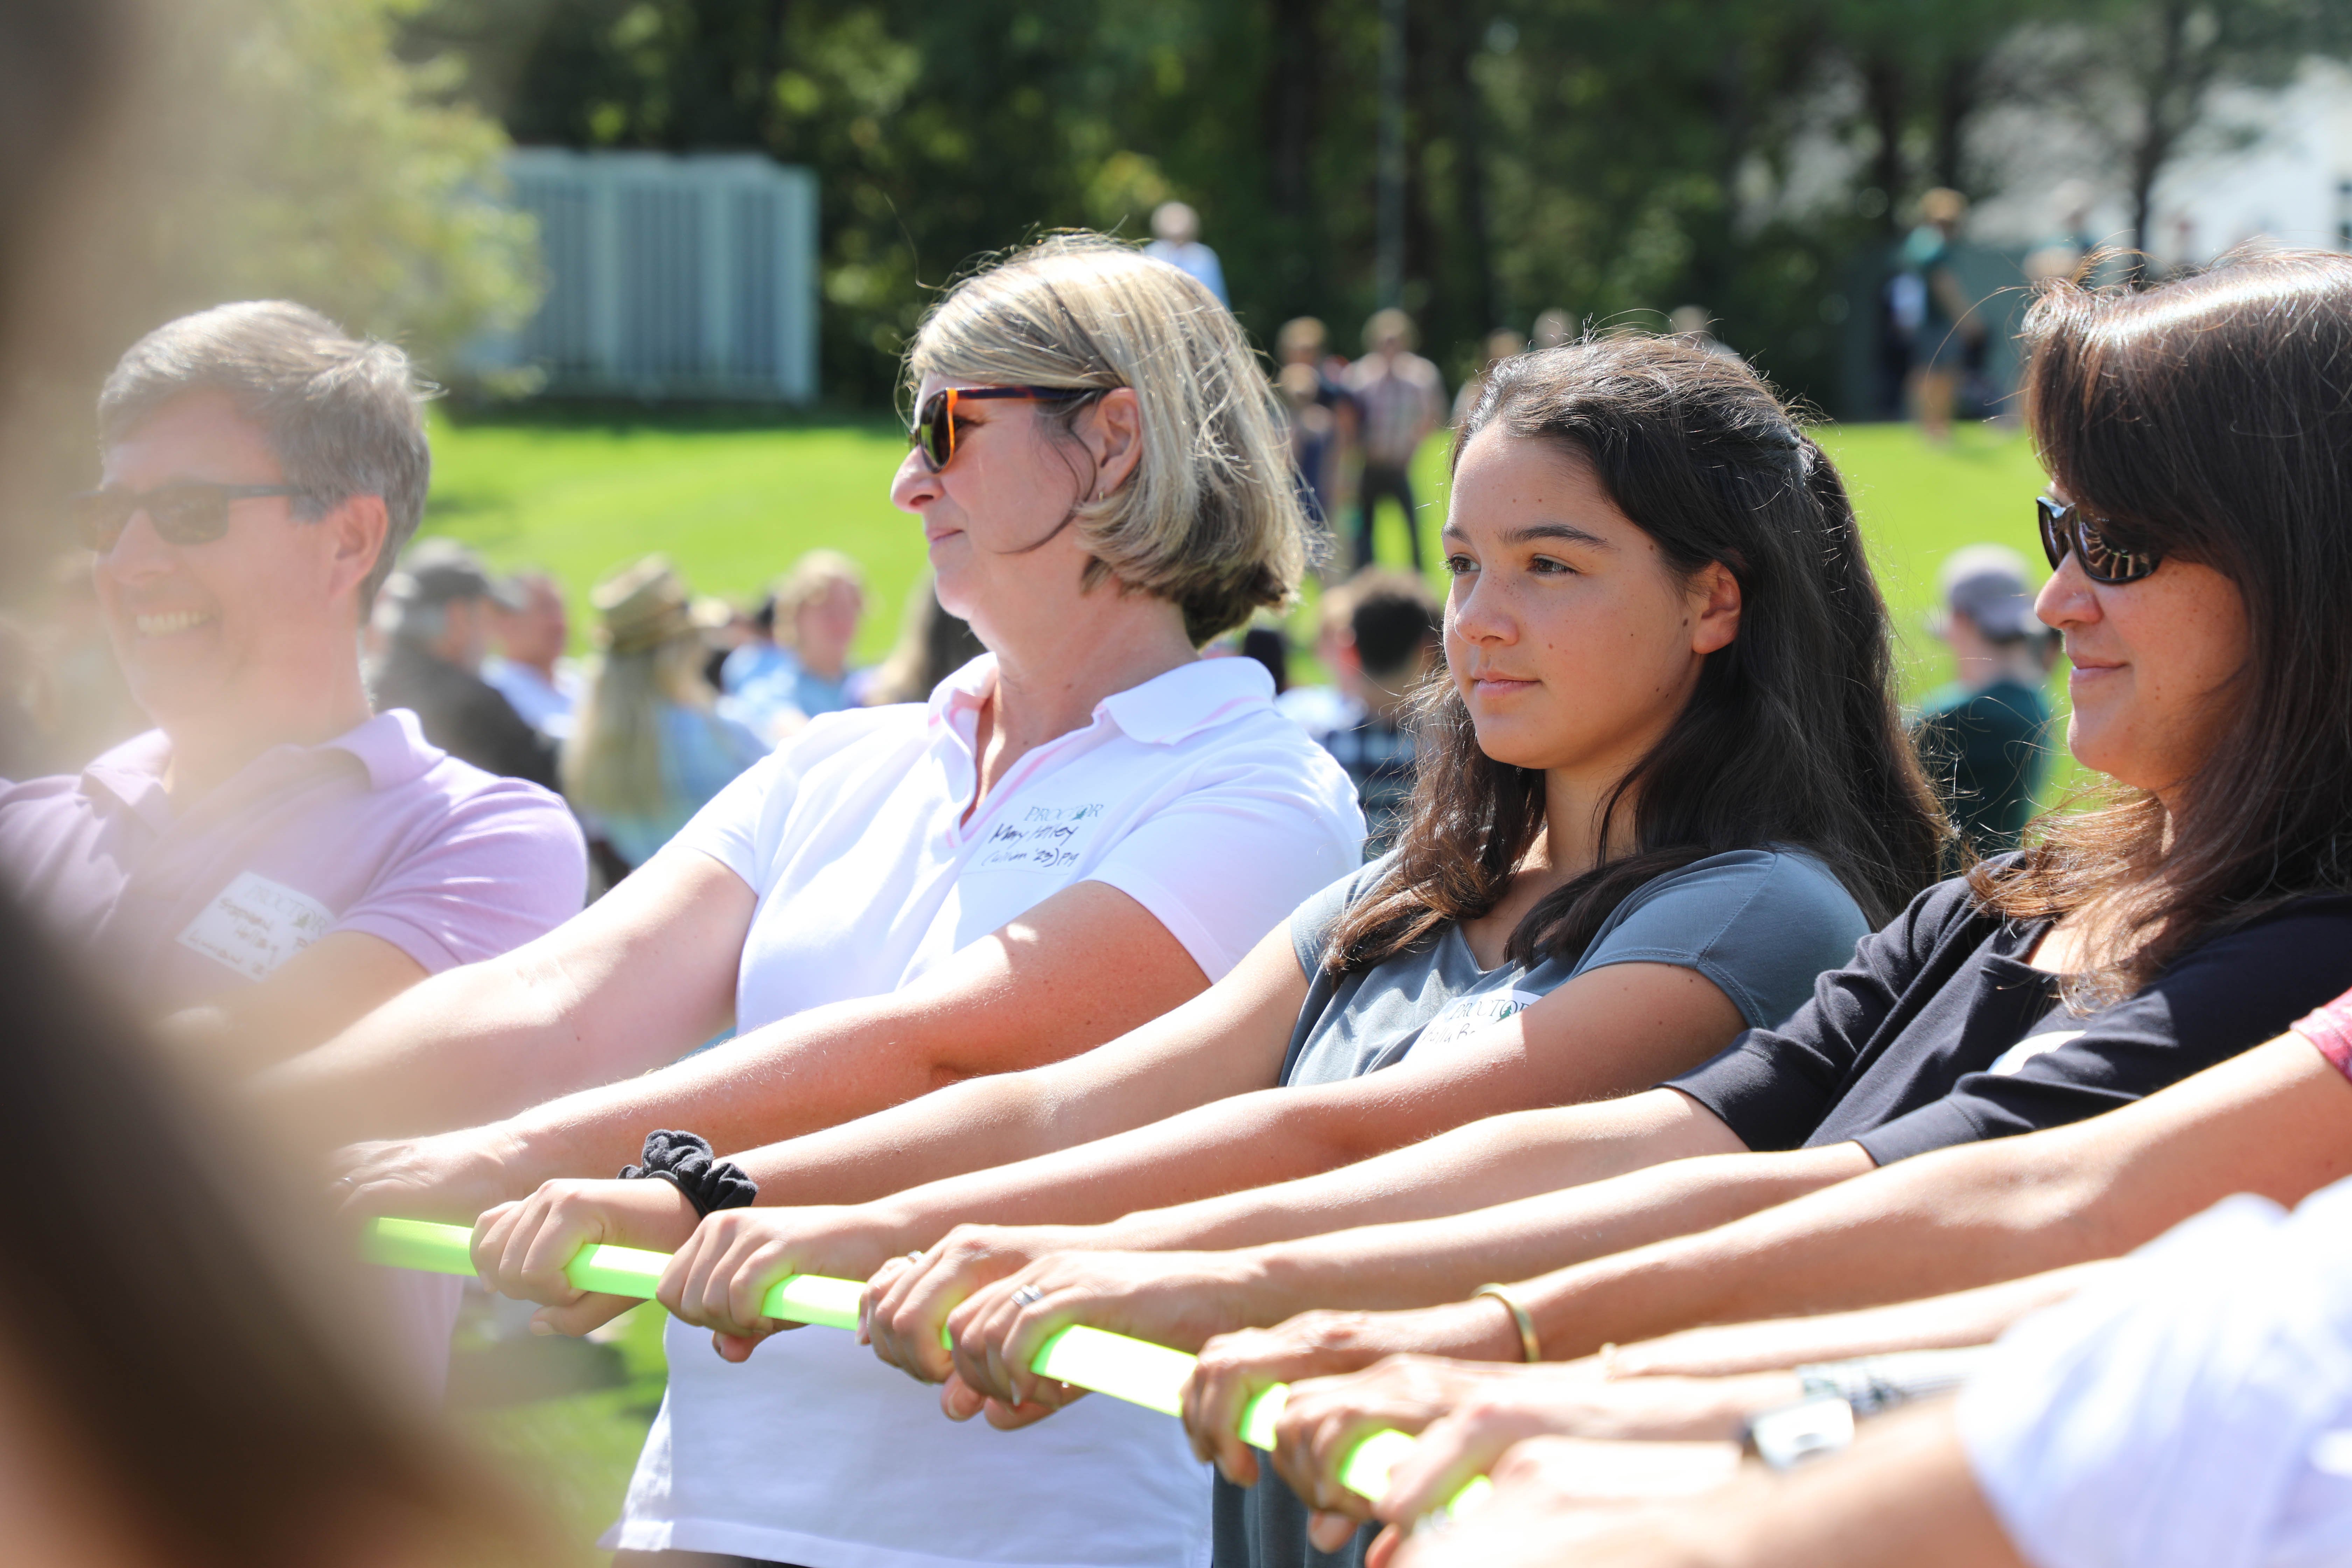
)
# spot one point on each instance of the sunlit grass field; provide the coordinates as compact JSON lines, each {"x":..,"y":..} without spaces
{"x":734,"y":499}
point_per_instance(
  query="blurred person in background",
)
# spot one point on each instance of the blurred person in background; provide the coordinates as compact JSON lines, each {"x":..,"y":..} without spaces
{"x":1391,"y":646}
{"x":529,"y":670}
{"x":1176,"y":240}
{"x":436,"y":616}
{"x":1553,"y":328}
{"x":1325,"y":705}
{"x":1983,"y":738}
{"x":1402,"y":400}
{"x":1078,"y":831}
{"x":1944,"y":330}
{"x":1500,"y":345}
{"x":1270,"y":648}
{"x":800,"y":668}
{"x":1315,"y":440}
{"x":1320,"y":446}
{"x":646,"y":752}
{"x":932,"y":645}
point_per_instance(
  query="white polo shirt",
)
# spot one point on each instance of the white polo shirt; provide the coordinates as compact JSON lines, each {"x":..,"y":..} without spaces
{"x":1188,"y":793}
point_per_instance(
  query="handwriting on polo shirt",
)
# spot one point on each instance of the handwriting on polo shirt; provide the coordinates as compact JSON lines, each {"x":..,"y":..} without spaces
{"x":1042,"y":837}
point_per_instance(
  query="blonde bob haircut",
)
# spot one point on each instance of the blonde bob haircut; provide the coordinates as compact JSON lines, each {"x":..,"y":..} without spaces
{"x":1209,"y":519}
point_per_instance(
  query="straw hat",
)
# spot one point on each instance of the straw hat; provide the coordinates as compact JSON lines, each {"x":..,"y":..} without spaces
{"x":643,"y":606}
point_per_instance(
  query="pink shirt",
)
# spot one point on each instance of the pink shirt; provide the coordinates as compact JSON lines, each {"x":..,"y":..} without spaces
{"x":375,"y":831}
{"x":2330,"y":1028}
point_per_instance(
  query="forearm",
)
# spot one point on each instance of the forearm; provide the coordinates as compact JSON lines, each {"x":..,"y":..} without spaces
{"x":1940,"y":1223}
{"x":1937,"y":1322}
{"x":1495,"y":1161}
{"x":1263,"y":1141}
{"x":1428,"y":1262}
{"x":1903,"y":1496}
{"x":466,"y":1047}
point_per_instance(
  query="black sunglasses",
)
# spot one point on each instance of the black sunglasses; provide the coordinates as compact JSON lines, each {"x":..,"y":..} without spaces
{"x":2066,"y":526}
{"x":933,"y":432}
{"x":186,"y":513}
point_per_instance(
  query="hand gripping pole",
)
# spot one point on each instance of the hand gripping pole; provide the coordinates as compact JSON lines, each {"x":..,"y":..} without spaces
{"x":1133,"y":1370}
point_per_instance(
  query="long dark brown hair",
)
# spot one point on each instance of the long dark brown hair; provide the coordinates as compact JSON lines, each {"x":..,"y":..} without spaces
{"x":2211,"y":419}
{"x":1792,"y":735}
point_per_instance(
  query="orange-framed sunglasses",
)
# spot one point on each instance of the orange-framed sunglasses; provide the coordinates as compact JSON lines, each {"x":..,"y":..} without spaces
{"x":933,"y":432}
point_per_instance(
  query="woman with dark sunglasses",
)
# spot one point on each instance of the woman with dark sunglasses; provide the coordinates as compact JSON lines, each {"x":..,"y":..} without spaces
{"x":1083,"y":827}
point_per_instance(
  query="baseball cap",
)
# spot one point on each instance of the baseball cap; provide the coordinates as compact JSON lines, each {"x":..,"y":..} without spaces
{"x":441,"y":571}
{"x":1988,"y":584}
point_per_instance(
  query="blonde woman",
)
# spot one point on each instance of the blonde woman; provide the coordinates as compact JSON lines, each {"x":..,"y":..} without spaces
{"x":1082,"y":828}
{"x":799,"y":663}
{"x":645,"y":750}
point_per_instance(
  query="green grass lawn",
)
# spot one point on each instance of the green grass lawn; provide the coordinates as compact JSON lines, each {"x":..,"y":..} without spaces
{"x":734,"y":499}
{"x":733,"y":502}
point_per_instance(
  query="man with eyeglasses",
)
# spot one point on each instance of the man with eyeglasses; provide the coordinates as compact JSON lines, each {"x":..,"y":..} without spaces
{"x":274,"y":858}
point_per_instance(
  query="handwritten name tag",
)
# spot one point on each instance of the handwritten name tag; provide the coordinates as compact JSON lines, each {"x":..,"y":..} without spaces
{"x":256,"y":924}
{"x":1038,"y":838}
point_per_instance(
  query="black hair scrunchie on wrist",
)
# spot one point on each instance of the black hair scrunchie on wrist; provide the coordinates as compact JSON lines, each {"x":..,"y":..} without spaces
{"x":684,"y":1161}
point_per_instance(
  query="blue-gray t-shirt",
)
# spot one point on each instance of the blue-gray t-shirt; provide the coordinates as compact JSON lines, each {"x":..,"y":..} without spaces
{"x":1760,"y":923}
{"x":1763,"y":924}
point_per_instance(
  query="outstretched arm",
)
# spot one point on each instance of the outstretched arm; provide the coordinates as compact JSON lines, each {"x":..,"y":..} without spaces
{"x":1027,"y":992}
{"x":2276,"y":1120}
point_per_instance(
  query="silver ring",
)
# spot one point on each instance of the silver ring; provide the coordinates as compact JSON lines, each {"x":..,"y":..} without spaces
{"x":914,"y":1258}
{"x":1027,"y":1296}
{"x":345,"y":1182}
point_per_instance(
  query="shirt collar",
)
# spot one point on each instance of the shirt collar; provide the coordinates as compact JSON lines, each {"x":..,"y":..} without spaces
{"x":1191,"y":698}
{"x":391,"y":747}
{"x":1161,"y":711}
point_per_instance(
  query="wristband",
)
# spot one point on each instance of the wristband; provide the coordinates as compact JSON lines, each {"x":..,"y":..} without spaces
{"x":1787,"y":1436}
{"x":684,"y":1161}
{"x":1530,"y":1351}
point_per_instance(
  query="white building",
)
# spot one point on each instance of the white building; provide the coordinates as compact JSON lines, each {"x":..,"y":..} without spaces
{"x":670,"y":277}
{"x":2271,"y":165}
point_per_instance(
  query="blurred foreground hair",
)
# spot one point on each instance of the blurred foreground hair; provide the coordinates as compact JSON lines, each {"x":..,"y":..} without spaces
{"x":1209,"y":519}
{"x":2211,"y":419}
{"x":1792,"y":736}
{"x":164,"y":1320}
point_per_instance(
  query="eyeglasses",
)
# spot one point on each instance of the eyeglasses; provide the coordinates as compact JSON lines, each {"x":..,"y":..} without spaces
{"x":2066,"y":526}
{"x":933,"y":432}
{"x":186,"y":513}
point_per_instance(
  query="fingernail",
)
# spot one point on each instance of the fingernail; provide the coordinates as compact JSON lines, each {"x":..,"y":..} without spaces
{"x":542,"y":1329}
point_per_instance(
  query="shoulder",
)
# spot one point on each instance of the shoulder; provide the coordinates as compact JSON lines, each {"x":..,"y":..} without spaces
{"x":1313,"y":923}
{"x":2302,"y":933}
{"x":459,"y":793}
{"x":1793,"y":892}
{"x":1262,"y":745}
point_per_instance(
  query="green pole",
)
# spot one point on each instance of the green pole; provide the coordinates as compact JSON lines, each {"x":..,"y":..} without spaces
{"x":1133,"y":1370}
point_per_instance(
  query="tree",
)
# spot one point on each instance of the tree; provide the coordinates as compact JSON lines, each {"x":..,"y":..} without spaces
{"x":2142,"y":74}
{"x":294,"y":156}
